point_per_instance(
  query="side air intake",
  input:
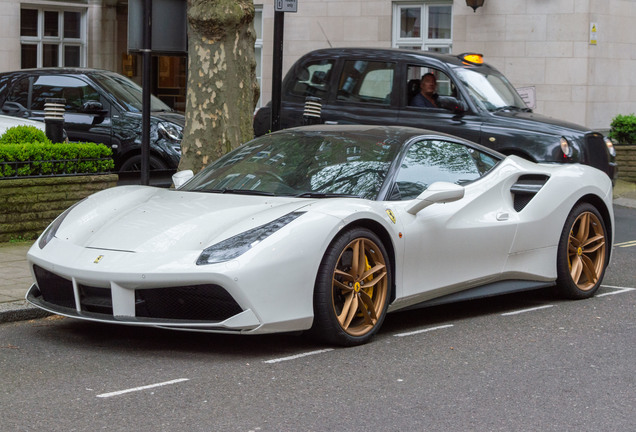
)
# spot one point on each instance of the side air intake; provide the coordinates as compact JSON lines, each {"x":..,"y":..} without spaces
{"x":526,"y":187}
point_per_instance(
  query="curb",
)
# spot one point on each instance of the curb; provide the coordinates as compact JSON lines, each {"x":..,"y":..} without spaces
{"x":20,"y":311}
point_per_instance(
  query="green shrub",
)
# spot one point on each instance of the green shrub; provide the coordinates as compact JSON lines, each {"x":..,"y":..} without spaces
{"x":23,"y":134}
{"x":623,"y":129}
{"x":54,"y":159}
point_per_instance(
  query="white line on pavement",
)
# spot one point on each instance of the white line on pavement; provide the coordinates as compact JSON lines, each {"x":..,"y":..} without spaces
{"x":423,"y":330}
{"x":117,"y":393}
{"x":620,"y":290}
{"x":297,"y":356}
{"x":526,"y":310}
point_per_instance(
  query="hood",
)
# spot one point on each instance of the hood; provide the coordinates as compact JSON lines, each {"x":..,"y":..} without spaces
{"x":539,"y":123}
{"x":174,"y":117}
{"x":147,"y":219}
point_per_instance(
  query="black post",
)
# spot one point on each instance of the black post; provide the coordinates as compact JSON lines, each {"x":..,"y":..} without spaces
{"x":277,"y":69}
{"x":145,"y":103}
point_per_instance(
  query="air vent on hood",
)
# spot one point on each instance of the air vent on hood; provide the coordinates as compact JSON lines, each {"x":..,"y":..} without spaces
{"x":526,"y":188}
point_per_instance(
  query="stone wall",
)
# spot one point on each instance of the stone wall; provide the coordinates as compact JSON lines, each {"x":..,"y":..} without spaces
{"x":28,"y":206}
{"x":626,"y":158}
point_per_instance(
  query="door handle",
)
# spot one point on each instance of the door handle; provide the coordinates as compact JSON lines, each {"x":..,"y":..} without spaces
{"x":331,"y":122}
{"x":503,"y":216}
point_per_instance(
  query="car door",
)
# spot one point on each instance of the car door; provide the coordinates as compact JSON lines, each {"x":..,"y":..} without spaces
{"x":82,"y":122}
{"x":446,"y":245}
{"x":466,"y":124}
{"x":363,"y":93}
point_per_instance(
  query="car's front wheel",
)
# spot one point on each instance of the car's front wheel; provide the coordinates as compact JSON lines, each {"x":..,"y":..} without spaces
{"x":352,"y":289}
{"x":133,"y":163}
{"x":583,"y":253}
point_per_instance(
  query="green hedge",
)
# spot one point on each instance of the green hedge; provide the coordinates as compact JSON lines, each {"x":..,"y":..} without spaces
{"x":623,"y":129}
{"x":23,"y":134}
{"x":38,"y":158}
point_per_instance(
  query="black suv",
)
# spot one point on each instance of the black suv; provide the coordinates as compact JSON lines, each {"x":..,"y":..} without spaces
{"x":474,"y":101}
{"x":102,"y":107}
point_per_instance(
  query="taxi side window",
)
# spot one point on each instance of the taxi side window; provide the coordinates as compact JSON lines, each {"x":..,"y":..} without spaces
{"x":429,"y":161}
{"x":366,"y":81}
{"x":445,"y":86}
{"x":312,"y":79}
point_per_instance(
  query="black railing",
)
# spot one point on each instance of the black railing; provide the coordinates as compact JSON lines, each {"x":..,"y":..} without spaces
{"x":52,"y":168}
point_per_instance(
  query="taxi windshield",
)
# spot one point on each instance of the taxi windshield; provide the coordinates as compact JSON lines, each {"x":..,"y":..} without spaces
{"x":491,"y":91}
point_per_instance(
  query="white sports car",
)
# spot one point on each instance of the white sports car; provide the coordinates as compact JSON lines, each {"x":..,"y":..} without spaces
{"x":326,"y":228}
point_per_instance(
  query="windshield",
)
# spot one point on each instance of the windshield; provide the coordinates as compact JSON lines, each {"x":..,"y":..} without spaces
{"x":490,"y":91}
{"x":301,"y":163}
{"x":127,"y":92}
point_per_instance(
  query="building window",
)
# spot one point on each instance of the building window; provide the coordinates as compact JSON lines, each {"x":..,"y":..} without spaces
{"x":424,"y":25}
{"x":258,"y":47}
{"x":52,"y":38}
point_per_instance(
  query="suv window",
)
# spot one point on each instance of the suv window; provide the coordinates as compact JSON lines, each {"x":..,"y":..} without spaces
{"x":75,"y":91}
{"x":366,"y":81}
{"x":429,"y":161}
{"x":312,"y":79}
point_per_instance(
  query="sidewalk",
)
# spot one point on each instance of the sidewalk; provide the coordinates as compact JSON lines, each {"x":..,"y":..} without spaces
{"x":15,"y":278}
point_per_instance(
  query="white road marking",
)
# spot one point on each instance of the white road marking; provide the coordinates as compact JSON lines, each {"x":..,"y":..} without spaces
{"x":526,"y":310}
{"x":423,"y":330}
{"x":620,"y":290}
{"x":626,"y":244}
{"x":297,"y":356}
{"x":121,"y":392}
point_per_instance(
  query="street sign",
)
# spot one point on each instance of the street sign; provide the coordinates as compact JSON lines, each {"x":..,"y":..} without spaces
{"x":286,"y":5}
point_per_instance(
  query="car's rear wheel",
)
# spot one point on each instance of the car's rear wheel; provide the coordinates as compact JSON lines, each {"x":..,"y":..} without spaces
{"x":352,"y":289}
{"x":583,"y":253}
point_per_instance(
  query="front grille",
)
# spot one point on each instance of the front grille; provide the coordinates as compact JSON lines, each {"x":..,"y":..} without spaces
{"x":55,"y":289}
{"x":596,"y":152}
{"x":197,"y":302}
{"x":97,"y":300}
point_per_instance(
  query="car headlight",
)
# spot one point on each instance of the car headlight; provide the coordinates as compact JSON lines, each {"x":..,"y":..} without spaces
{"x":171,"y":131}
{"x":610,"y":147}
{"x":51,"y":230}
{"x":565,"y":148}
{"x":239,"y":244}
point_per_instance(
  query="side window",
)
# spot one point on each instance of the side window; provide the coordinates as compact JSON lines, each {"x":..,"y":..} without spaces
{"x":312,"y":79}
{"x":366,"y":81}
{"x":444,"y":86}
{"x":429,"y":161}
{"x":20,"y":93}
{"x":75,"y":91}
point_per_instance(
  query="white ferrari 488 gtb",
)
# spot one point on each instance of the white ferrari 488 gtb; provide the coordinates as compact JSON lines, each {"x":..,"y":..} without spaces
{"x":326,"y":229}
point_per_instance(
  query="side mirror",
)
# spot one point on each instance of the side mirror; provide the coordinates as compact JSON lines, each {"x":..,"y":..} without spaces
{"x":181,"y":177}
{"x":452,"y":104}
{"x":93,"y":107}
{"x":12,"y":108}
{"x":438,"y":192}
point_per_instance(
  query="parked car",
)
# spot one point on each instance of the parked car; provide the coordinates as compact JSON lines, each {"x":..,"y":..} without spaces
{"x":7,"y":122}
{"x":326,"y":228}
{"x":102,"y":107}
{"x":475,"y":101}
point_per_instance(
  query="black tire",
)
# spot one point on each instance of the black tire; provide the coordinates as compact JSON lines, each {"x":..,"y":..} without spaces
{"x":349,"y":303}
{"x":583,"y":253}
{"x":133,"y":163}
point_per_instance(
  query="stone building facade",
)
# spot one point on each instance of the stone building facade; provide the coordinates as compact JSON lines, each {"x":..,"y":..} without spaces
{"x":574,"y":59}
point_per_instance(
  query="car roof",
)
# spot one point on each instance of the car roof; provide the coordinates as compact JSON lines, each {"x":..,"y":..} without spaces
{"x":57,"y":71}
{"x":394,"y":54}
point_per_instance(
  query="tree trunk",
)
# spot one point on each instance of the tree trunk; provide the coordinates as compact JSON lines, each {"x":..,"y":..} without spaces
{"x":222,"y":88}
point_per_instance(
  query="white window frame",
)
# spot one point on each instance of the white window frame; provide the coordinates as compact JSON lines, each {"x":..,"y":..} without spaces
{"x":258,"y":52}
{"x":423,"y":42}
{"x":40,"y":40}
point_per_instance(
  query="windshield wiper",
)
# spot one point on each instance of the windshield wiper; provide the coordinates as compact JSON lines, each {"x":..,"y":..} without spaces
{"x":511,"y":108}
{"x":325,"y":195}
{"x":236,"y":191}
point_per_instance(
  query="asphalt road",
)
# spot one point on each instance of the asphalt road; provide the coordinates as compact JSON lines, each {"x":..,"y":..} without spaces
{"x":523,"y":362}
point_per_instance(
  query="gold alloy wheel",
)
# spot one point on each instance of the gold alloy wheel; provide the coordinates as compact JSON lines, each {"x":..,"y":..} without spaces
{"x":586,"y":251}
{"x":359,"y":287}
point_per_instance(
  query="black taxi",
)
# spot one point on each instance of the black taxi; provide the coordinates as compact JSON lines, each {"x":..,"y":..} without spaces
{"x":471,"y":100}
